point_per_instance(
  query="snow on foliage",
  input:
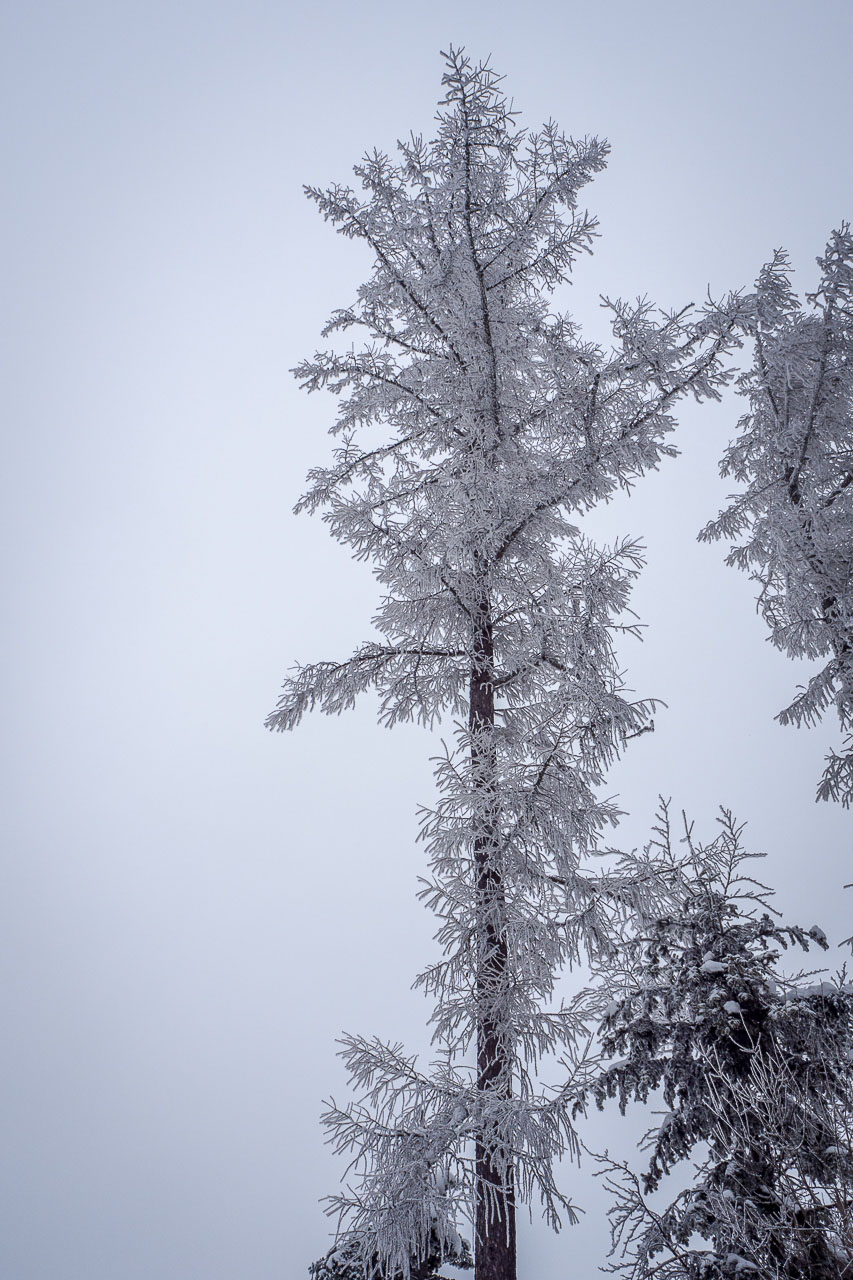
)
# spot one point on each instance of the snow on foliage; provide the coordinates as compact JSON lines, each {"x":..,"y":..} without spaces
{"x":350,"y":1261}
{"x":754,"y":1071}
{"x":474,"y":426}
{"x":792,"y":526}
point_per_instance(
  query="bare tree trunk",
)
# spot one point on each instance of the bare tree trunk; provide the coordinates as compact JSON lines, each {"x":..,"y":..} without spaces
{"x":495,"y":1248}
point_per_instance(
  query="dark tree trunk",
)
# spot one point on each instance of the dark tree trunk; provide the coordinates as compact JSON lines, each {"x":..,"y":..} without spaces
{"x":495,"y":1191}
{"x":829,"y":603}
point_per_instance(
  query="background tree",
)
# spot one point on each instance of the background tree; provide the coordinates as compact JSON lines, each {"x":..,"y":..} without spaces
{"x":794,"y":454}
{"x":474,"y":428}
{"x":755,"y":1073}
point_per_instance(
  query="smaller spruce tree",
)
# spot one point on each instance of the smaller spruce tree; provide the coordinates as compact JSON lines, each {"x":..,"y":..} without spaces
{"x":754,"y":1072}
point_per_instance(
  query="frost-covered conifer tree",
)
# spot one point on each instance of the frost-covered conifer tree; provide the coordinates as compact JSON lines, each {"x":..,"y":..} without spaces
{"x":793,"y":524}
{"x":347,"y":1261}
{"x":474,"y":428}
{"x":755,"y":1075}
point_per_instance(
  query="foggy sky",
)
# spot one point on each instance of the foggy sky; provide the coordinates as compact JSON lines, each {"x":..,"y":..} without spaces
{"x":192,"y":909}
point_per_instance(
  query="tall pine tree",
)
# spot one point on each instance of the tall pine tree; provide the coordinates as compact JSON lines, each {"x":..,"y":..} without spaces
{"x":474,"y":428}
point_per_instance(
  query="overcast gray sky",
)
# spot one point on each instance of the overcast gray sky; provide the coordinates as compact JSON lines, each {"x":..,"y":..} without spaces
{"x":192,"y":909}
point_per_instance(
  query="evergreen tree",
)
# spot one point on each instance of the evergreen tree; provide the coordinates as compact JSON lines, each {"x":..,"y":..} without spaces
{"x":793,"y":523}
{"x":347,"y":1261}
{"x":755,"y":1073}
{"x":474,"y":428}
